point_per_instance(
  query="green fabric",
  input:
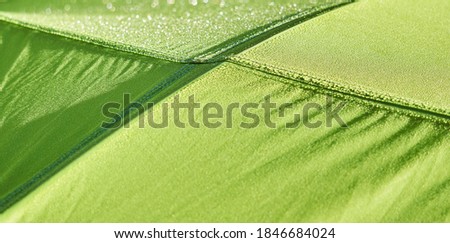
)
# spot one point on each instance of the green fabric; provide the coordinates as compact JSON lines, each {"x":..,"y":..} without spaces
{"x":386,"y":59}
{"x":392,"y":51}
{"x":175,"y":30}
{"x":385,"y":167}
{"x":52,"y":89}
{"x":52,"y":92}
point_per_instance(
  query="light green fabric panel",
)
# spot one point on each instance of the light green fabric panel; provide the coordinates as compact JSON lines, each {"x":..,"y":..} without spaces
{"x":178,"y":30}
{"x":384,"y":167}
{"x":52,"y":92}
{"x":394,"y":51}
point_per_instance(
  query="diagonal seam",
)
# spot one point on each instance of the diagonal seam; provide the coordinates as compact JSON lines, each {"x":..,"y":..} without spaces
{"x":95,"y":137}
{"x":215,"y":54}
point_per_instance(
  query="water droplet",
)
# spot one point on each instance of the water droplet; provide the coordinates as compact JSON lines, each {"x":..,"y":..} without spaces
{"x":67,"y":7}
{"x":193,"y":2}
{"x":155,"y":3}
{"x":178,"y":30}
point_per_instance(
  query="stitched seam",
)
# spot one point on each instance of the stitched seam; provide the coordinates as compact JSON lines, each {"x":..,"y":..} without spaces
{"x":323,"y":85}
{"x":207,"y":57}
{"x":65,"y":159}
{"x":273,"y":25}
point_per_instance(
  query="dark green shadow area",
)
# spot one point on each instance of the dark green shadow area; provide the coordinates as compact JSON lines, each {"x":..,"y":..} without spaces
{"x":51,"y":98}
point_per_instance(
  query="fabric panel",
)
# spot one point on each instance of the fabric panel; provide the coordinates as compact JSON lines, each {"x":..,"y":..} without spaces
{"x":384,"y":167}
{"x":389,"y":51}
{"x":174,"y":30}
{"x":52,"y":94}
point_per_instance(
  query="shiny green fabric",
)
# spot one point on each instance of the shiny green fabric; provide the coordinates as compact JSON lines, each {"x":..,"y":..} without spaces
{"x":53,"y":89}
{"x":385,"y":167}
{"x":390,"y":51}
{"x":52,"y":93}
{"x":174,"y":30}
{"x":386,"y":59}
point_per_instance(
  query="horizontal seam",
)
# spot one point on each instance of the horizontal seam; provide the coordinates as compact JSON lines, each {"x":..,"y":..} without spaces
{"x":394,"y":103}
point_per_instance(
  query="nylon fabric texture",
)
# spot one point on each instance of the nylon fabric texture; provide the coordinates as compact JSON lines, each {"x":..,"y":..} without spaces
{"x":385,"y":60}
{"x":395,"y":52}
{"x":385,"y":167}
{"x":53,"y":88}
{"x":52,"y":94}
{"x":183,"y":31}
